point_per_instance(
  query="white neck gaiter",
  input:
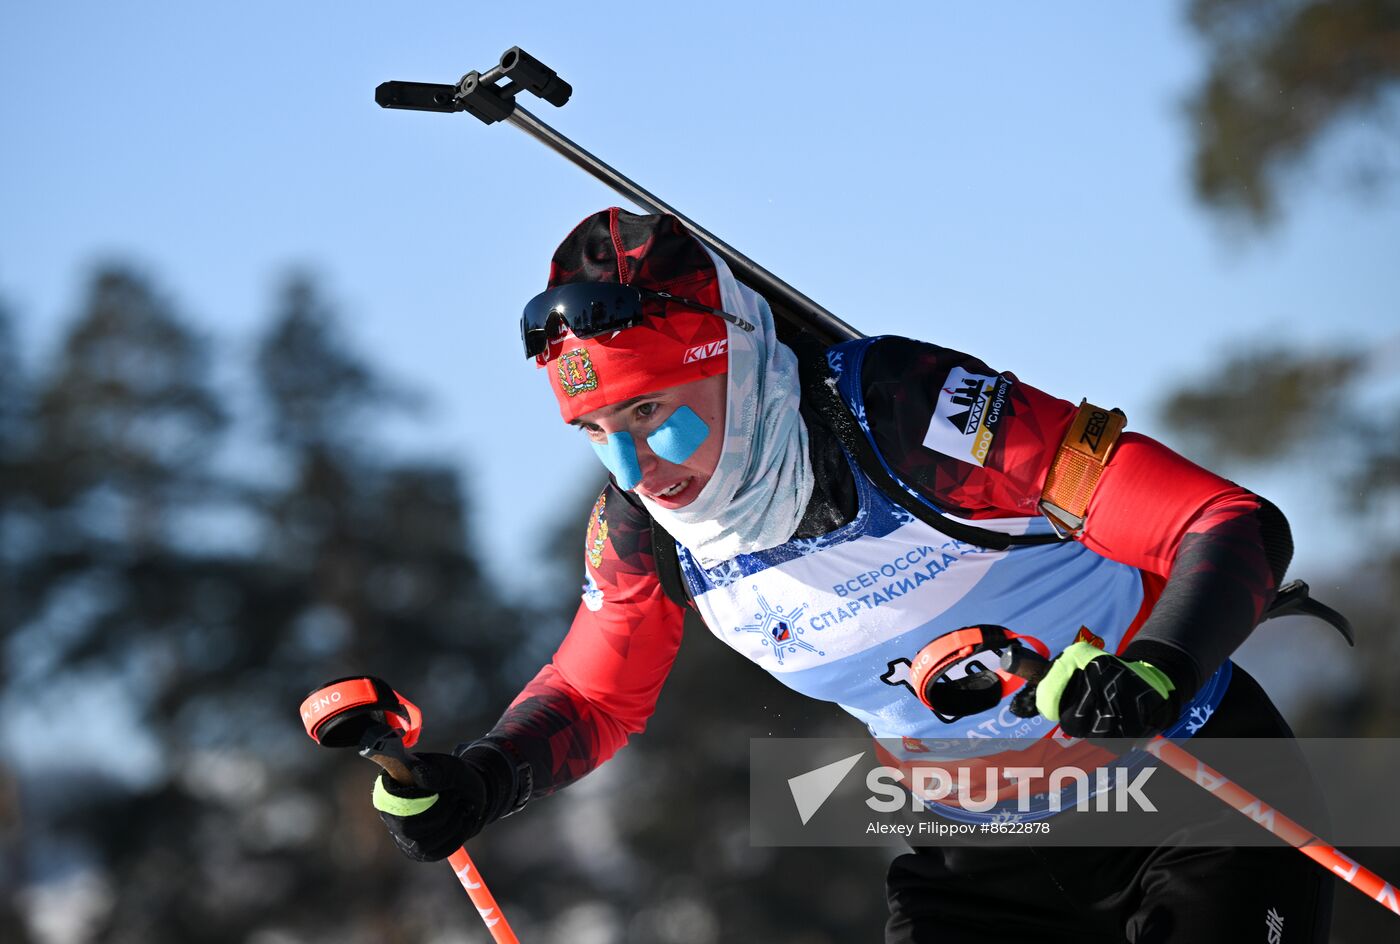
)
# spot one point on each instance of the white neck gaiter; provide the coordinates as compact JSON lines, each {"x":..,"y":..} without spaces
{"x":763,"y":481}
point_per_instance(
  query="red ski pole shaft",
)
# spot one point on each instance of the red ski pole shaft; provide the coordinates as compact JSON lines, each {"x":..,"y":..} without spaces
{"x":461,"y":863}
{"x":481,"y":896}
{"x":1032,"y":667}
{"x":1328,"y":856}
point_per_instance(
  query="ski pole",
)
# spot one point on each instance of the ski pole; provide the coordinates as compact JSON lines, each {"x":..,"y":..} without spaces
{"x":365,"y":713}
{"x":479,"y":95}
{"x":1032,"y":666}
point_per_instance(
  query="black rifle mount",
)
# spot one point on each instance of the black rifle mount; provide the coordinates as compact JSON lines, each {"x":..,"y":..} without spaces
{"x":480,"y":95}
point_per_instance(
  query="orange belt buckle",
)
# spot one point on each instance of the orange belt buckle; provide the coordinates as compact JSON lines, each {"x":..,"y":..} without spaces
{"x":1075,"y":472}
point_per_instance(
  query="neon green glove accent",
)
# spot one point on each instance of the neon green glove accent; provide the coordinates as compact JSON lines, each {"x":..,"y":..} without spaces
{"x":386,"y":802}
{"x":1052,"y":687}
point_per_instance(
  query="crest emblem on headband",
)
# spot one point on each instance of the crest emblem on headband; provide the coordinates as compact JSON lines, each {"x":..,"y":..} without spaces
{"x":576,"y":373}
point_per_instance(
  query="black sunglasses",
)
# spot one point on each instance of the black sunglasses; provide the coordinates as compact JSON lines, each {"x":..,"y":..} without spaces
{"x":589,"y":309}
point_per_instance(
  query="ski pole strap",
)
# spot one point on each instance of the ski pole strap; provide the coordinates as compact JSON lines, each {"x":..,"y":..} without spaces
{"x":362,"y":697}
{"x":1078,"y":465}
{"x":974,"y":687}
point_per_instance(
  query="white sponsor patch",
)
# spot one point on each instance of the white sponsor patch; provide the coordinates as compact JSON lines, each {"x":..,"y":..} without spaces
{"x":966,"y":415}
{"x":706,"y":351}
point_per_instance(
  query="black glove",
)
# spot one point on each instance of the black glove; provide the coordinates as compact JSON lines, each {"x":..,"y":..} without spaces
{"x":1097,"y":695}
{"x":453,"y":798}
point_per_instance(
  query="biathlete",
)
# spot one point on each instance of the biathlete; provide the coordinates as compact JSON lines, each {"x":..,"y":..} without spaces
{"x":733,"y":492}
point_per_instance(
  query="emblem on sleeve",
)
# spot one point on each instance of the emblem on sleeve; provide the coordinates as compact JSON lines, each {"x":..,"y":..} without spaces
{"x":966,"y":415}
{"x":597,"y":537}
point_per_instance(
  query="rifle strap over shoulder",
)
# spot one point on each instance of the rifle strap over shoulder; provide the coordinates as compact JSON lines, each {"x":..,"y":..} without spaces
{"x":819,"y":391}
{"x":668,"y":566}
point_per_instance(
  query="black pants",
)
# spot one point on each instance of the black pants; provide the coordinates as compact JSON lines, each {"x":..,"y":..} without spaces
{"x":953,"y":894}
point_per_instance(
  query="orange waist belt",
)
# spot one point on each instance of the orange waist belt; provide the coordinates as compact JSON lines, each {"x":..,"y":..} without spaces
{"x":1078,"y":465}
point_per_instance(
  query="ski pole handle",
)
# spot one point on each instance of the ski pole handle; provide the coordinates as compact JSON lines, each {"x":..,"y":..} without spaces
{"x":365,"y":713}
{"x":382,"y":744}
{"x":386,"y":749}
{"x":1030,"y":665}
{"x":1025,"y":662}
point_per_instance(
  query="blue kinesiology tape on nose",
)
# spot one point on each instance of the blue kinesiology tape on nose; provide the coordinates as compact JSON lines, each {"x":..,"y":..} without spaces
{"x":620,"y":457}
{"x":677,"y":439}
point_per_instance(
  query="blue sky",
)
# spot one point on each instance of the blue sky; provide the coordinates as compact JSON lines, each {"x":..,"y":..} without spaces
{"x":1009,"y":180}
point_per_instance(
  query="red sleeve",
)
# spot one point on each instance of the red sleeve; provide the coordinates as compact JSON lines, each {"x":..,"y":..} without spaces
{"x":604,"y":680}
{"x":1150,"y":498}
{"x":1223,"y":549}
